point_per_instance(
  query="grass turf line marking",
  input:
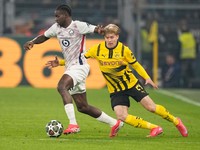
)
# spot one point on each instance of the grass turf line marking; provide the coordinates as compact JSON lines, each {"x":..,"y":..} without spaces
{"x":111,"y":140}
{"x":180,"y":97}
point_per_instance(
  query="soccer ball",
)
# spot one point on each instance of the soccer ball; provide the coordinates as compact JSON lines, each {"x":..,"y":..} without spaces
{"x":54,"y":128}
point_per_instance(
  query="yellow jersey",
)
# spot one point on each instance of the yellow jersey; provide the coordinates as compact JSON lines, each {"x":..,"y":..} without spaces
{"x":188,"y":46}
{"x":114,"y":65}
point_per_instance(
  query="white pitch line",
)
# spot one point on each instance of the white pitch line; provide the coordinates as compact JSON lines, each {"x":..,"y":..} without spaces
{"x":182,"y":98}
{"x":110,"y":140}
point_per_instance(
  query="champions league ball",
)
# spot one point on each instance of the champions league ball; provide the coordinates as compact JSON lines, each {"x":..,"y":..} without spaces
{"x":54,"y":128}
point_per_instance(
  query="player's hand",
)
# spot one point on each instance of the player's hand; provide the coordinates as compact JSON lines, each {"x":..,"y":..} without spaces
{"x":149,"y":81}
{"x":52,"y":63}
{"x":28,"y":45}
{"x":100,"y":29}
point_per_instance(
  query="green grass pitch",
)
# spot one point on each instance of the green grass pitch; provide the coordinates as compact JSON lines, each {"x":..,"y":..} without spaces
{"x":24,"y":112}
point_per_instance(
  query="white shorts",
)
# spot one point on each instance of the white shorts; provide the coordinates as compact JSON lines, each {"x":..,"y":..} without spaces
{"x":79,"y":74}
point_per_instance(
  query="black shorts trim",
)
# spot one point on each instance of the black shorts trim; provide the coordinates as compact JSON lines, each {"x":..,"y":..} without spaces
{"x":137,"y":92}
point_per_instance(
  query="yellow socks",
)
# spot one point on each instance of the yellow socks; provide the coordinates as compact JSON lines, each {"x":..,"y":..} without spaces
{"x":139,"y":122}
{"x":160,"y":110}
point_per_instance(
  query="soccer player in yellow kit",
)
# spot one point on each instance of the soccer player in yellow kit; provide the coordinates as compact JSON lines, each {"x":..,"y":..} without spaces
{"x":114,"y":60}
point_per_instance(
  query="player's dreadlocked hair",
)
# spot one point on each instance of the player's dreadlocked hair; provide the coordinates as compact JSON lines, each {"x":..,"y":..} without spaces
{"x":65,"y":8}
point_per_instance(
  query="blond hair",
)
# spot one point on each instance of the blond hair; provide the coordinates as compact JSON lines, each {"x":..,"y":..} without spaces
{"x":111,"y":28}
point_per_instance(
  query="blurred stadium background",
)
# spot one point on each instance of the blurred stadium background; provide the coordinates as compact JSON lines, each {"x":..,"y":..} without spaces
{"x":151,"y":28}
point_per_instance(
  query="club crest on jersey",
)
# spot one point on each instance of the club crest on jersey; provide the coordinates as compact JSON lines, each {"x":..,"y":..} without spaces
{"x":116,"y":55}
{"x":65,"y":43}
{"x":70,"y":31}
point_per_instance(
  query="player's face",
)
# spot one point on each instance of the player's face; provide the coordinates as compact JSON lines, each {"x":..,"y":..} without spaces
{"x":111,"y":40}
{"x":60,"y":18}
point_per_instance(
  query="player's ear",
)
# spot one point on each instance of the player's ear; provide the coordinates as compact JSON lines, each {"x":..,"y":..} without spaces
{"x":117,"y":36}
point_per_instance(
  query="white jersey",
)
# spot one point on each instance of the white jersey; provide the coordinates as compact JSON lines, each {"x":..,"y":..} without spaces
{"x":72,"y":41}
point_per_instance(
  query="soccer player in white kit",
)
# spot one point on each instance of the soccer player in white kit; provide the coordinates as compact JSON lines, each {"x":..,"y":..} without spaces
{"x":71,"y":36}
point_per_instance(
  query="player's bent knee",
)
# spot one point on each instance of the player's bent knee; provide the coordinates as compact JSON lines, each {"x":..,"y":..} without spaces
{"x":151,"y":108}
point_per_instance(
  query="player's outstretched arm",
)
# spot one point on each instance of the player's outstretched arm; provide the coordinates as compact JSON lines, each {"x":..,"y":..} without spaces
{"x":141,"y":71}
{"x":39,"y":39}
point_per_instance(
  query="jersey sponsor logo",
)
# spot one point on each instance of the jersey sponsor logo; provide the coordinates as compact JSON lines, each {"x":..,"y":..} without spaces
{"x":110,"y":63}
{"x":65,"y":43}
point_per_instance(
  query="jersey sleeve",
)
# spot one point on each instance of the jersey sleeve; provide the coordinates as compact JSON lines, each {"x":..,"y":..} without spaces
{"x":51,"y":32}
{"x":84,"y":27}
{"x":129,"y":56}
{"x":135,"y":64}
{"x":140,"y":70}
